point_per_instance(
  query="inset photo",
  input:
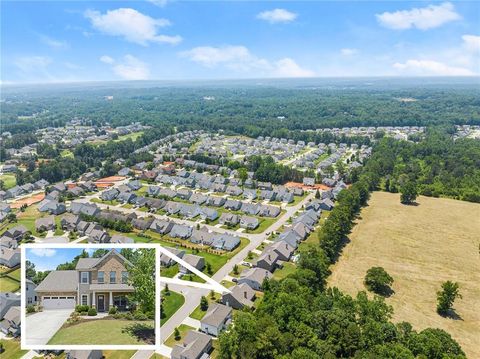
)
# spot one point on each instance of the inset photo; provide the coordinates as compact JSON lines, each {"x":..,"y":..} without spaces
{"x":95,"y":295}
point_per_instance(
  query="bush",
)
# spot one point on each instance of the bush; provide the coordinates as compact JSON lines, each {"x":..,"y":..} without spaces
{"x":378,"y":280}
{"x":30,"y":309}
{"x":138,"y":315}
{"x":112,"y":310}
{"x":92,"y":312}
{"x":128,"y":316}
{"x":82,"y":308}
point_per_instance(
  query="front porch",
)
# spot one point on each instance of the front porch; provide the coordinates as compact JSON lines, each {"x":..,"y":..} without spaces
{"x":102,"y":301}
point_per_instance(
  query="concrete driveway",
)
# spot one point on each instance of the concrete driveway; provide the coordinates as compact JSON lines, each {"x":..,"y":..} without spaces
{"x":40,"y":327}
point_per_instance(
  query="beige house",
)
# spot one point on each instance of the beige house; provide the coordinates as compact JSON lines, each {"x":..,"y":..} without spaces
{"x":97,"y":282}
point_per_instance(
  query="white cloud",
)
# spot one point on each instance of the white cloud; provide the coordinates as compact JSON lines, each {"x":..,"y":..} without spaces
{"x":130,"y":68}
{"x":132,"y":25}
{"x":43,"y":252}
{"x":55,"y":44}
{"x":159,"y":3}
{"x":421,"y":18}
{"x":33,"y":63}
{"x":72,"y":66}
{"x":289,"y":68}
{"x":471,"y":43}
{"x":240,"y":59}
{"x":277,"y":16}
{"x":107,"y":59}
{"x":348,"y":52}
{"x":430,"y":68}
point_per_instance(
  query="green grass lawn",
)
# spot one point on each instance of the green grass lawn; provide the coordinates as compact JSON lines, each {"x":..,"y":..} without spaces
{"x":183,"y":329}
{"x":172,"y":302}
{"x":12,"y":349}
{"x":169,"y":272}
{"x":118,"y":354}
{"x":287,"y":269}
{"x":15,"y":274}
{"x":102,"y":331}
{"x":8,"y":284}
{"x":264,"y":223}
{"x":227,"y":284}
{"x":66,"y":153}
{"x":133,"y":136}
{"x":198,"y":313}
{"x":9,"y":181}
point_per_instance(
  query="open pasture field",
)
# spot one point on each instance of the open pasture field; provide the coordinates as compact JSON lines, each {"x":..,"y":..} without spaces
{"x":420,"y":247}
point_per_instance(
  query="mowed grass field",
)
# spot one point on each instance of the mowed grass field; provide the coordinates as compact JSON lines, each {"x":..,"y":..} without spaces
{"x":420,"y":247}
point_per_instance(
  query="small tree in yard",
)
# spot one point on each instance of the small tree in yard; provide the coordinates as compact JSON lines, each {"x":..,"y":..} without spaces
{"x":203,"y":303}
{"x":176,"y":334}
{"x":445,"y":298}
{"x":235,"y":269}
{"x":212,"y":294}
{"x":141,"y":275}
{"x":167,"y":291}
{"x":317,"y":194}
{"x":408,"y":193}
{"x":209,"y":268}
{"x":378,"y":280}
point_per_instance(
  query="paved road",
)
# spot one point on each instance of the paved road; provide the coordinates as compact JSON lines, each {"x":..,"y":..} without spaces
{"x":40,"y":327}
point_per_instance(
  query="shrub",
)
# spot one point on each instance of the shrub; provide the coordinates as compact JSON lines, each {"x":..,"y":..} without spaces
{"x":112,"y":310}
{"x":92,"y":312}
{"x":128,"y":316}
{"x":378,"y":280}
{"x":30,"y":309}
{"x":138,"y":315}
{"x":81,"y":308}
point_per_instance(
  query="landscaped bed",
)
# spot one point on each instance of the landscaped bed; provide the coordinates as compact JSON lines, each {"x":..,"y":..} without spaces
{"x":106,"y":331}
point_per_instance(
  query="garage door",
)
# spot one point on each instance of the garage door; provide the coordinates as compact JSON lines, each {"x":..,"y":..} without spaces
{"x":58,"y":302}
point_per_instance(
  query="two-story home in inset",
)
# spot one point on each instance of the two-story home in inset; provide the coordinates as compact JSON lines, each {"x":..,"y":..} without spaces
{"x":97,"y":282}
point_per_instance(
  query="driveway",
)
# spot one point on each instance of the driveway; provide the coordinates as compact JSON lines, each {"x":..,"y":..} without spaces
{"x":40,"y":327}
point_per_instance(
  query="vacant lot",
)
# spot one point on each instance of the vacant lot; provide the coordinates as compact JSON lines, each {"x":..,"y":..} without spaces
{"x":421,"y":247}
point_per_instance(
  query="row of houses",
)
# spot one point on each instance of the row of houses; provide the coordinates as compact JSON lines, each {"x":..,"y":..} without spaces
{"x":23,"y":189}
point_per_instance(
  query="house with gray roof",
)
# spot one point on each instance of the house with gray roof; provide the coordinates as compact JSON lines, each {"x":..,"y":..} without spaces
{"x":126,"y":197}
{"x":254,"y":277}
{"x":225,"y":242}
{"x":240,"y":295}
{"x":161,"y":226}
{"x":45,"y":224}
{"x":189,"y":210}
{"x":250,"y":208}
{"x":84,"y":354}
{"x":180,"y":231}
{"x":326,"y":204}
{"x":166,"y":261}
{"x":184,"y":193}
{"x":216,"y":201}
{"x":167,"y":192}
{"x":196,"y":345}
{"x":8,"y":300}
{"x":109,"y":194}
{"x":51,"y":206}
{"x":283,"y":249}
{"x":97,"y":282}
{"x":233,"y":205}
{"x":229,"y":219}
{"x":134,"y":185}
{"x":269,"y":211}
{"x":267,"y":260}
{"x":16,"y":233}
{"x":202,"y":236}
{"x":88,"y":209}
{"x":268,"y":195}
{"x":233,"y":190}
{"x":198,"y":198}
{"x":249,"y":194}
{"x":208,"y":213}
{"x":9,"y":253}
{"x":217,"y":319}
{"x":172,"y":207}
{"x":10,"y":325}
{"x":248,"y":222}
{"x":195,"y":261}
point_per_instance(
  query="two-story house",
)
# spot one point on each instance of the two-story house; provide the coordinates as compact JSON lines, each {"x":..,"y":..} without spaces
{"x":97,"y":282}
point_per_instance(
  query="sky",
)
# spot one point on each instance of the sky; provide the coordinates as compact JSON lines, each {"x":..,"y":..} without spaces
{"x":49,"y":258}
{"x":72,"y":41}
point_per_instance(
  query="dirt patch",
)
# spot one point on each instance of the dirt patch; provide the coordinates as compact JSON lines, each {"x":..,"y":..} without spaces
{"x":28,"y":201}
{"x":420,"y":247}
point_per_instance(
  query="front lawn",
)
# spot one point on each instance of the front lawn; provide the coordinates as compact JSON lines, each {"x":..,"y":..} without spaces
{"x":9,"y":181}
{"x":183,"y":329}
{"x":198,"y":313}
{"x":170,"y":271}
{"x":8,"y":284}
{"x":105,"y":331}
{"x":12,"y":349}
{"x":172,"y":301}
{"x":15,"y":274}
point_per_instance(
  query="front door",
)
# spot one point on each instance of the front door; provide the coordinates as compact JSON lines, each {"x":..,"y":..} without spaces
{"x":101,"y":303}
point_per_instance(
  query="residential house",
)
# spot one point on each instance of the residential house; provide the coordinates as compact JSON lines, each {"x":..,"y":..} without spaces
{"x":234,"y":190}
{"x":16,"y":233}
{"x":8,"y":300}
{"x":229,"y":219}
{"x":184,"y":193}
{"x":239,"y":296}
{"x":250,"y":194}
{"x":250,"y":208}
{"x":195,"y":261}
{"x":208,"y":213}
{"x":254,"y":277}
{"x":109,"y":194}
{"x":233,"y":205}
{"x":84,"y":354}
{"x":30,"y":293}
{"x":88,"y":209}
{"x":118,"y":238}
{"x":166,"y":261}
{"x":126,"y":197}
{"x":97,"y":282}
{"x":216,"y":201}
{"x":249,"y":222}
{"x":326,"y":204}
{"x":309,"y":181}
{"x":10,"y":325}
{"x":134,"y":185}
{"x":283,"y":250}
{"x":268,"y":211}
{"x":180,"y":231}
{"x":202,"y":236}
{"x":45,"y":224}
{"x":267,"y":260}
{"x":9,"y":252}
{"x":217,"y":319}
{"x":198,"y":198}
{"x":51,"y":206}
{"x":196,"y":345}
{"x":225,"y":242}
{"x":161,"y":226}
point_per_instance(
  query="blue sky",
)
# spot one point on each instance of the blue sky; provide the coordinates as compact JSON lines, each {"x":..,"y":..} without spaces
{"x":49,"y":258}
{"x":67,"y":41}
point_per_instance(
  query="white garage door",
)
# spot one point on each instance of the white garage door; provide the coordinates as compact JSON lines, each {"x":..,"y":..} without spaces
{"x":58,"y":302}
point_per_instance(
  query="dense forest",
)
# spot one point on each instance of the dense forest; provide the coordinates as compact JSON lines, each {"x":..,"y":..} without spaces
{"x":249,"y":108}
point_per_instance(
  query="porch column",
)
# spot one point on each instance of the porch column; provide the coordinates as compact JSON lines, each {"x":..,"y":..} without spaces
{"x":94,"y":301}
{"x":110,"y":302}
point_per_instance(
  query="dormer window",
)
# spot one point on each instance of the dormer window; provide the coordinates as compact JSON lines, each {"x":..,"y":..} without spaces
{"x":101,"y":277}
{"x":113,"y":278}
{"x":84,"y":277}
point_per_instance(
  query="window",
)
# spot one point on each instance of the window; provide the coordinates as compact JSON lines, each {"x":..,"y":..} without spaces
{"x":124,"y":277}
{"x":84,"y":276}
{"x":29,"y":301}
{"x":101,"y":276}
{"x":120,"y":301}
{"x":84,"y":299}
{"x":112,"y":277}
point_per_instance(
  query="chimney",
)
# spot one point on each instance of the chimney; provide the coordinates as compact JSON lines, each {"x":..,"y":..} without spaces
{"x":269,"y":257}
{"x":245,"y":294}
